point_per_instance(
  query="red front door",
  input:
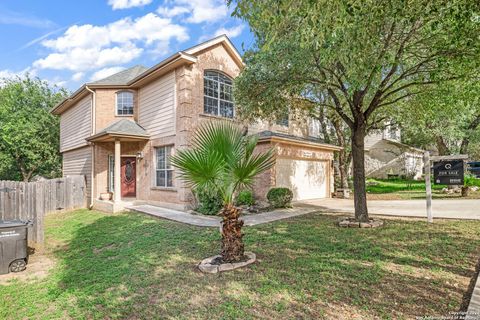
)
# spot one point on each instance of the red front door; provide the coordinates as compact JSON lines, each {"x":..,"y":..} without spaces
{"x":128,"y":177}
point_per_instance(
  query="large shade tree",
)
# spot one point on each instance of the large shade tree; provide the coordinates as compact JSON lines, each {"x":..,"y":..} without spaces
{"x":365,"y":55}
{"x":29,"y":133}
{"x":446,"y":117}
{"x":222,"y":161}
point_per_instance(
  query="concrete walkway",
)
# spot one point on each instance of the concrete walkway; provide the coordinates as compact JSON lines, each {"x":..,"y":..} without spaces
{"x":448,"y":208}
{"x":214,"y":221}
{"x":473,"y":310}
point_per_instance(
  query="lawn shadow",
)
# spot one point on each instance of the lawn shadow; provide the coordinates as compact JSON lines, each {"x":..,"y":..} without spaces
{"x":112,"y":265}
{"x":133,"y":266}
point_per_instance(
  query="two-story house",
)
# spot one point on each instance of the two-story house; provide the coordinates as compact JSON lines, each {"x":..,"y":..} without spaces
{"x":386,"y":156}
{"x":120,"y":131}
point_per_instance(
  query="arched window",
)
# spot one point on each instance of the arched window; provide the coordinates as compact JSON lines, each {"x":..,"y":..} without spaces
{"x":124,"y":103}
{"x":218,"y":97}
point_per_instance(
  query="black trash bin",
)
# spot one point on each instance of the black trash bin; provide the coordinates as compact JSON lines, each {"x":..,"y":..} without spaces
{"x":13,"y":245}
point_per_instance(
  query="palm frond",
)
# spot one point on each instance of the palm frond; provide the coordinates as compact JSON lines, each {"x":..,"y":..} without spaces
{"x":221,"y":159}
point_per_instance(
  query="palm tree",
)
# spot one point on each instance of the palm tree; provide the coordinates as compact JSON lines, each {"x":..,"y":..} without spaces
{"x":222,"y":161}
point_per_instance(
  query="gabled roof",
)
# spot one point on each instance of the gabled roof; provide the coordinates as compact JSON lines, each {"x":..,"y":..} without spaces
{"x":221,"y":38}
{"x":123,"y":77}
{"x":137,"y":76}
{"x":121,"y":129}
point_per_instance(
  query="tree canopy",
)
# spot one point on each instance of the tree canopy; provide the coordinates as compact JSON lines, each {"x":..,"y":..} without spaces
{"x":358,"y":58}
{"x":29,"y":134}
{"x":447,"y":117}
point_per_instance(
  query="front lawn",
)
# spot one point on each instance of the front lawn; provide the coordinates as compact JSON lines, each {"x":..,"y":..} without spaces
{"x":397,"y":189}
{"x":131,"y":266}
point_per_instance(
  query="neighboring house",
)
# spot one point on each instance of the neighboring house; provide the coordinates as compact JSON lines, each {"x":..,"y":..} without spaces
{"x":386,"y":156}
{"x":120,"y":131}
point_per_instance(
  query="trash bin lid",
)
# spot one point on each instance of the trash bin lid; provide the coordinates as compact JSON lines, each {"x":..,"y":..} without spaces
{"x":12,"y":223}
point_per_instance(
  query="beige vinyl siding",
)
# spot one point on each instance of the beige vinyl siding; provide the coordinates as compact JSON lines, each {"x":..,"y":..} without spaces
{"x":76,"y":125}
{"x":156,"y":107}
{"x":373,"y":138}
{"x":79,"y":162}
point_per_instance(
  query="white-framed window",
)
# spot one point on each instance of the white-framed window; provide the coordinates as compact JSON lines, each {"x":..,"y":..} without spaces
{"x":163,"y":167}
{"x":218,"y":94}
{"x":124,"y":103}
{"x":111,"y":173}
{"x":283,"y":120}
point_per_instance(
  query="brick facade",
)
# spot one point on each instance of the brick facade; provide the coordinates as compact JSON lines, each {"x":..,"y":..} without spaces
{"x":189,"y":112}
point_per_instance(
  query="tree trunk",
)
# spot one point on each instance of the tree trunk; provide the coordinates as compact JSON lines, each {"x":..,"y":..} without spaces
{"x":343,"y":155}
{"x":465,"y":190}
{"x":442,"y":146}
{"x":232,"y":243}
{"x":360,"y":191}
{"x":343,"y":176}
{"x":464,"y":145}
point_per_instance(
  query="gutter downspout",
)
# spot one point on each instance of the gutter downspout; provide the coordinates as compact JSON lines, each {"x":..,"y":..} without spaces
{"x":92,"y":175}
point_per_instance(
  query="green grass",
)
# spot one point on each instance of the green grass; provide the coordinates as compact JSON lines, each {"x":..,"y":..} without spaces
{"x":403,"y":189}
{"x":130,"y":266}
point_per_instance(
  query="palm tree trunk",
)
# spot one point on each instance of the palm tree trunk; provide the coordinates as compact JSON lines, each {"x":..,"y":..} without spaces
{"x":232,"y":243}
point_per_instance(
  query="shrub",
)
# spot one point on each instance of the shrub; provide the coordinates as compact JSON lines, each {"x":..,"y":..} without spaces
{"x":471,"y":181}
{"x":208,"y":203}
{"x":280,"y":197}
{"x":245,"y":198}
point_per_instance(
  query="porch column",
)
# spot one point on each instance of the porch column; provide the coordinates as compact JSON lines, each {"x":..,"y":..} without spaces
{"x":116,"y":176}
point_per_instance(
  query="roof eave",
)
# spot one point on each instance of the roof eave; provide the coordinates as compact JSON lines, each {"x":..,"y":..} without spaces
{"x":222,"y":38}
{"x":117,"y":135}
{"x":301,"y":143}
{"x":166,"y":65}
{"x":57,"y":109}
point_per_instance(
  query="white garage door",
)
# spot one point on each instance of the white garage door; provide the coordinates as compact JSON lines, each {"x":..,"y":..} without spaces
{"x":308,"y":179}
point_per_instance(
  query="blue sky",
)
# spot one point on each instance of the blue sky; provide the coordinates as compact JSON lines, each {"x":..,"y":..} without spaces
{"x":69,"y":43}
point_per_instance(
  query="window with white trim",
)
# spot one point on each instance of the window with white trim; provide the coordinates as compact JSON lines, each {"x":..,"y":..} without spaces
{"x":124,"y":103}
{"x":218,"y":94}
{"x":163,"y":167}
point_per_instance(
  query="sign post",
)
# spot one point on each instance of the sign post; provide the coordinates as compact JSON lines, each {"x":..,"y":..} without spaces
{"x":447,"y":170}
{"x":428,"y":185}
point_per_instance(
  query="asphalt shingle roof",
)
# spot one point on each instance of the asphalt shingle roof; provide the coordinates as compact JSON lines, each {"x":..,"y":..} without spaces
{"x":269,"y":134}
{"x":122,"y":77}
{"x":126,"y":127}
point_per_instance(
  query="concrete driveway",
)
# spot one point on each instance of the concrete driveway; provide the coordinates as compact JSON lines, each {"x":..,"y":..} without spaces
{"x":451,"y":208}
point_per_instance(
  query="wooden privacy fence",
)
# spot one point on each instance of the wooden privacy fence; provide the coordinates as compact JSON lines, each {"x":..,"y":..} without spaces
{"x":33,"y":200}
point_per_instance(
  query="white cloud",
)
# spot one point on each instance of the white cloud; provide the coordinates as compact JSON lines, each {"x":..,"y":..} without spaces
{"x":7,"y":74}
{"x":230,"y":32}
{"x":78,"y":76}
{"x":41,"y":38}
{"x":87,"y":47}
{"x":105,"y":72}
{"x":172,"y":12}
{"x":196,"y":11}
{"x":80,"y":59}
{"x":125,"y":4}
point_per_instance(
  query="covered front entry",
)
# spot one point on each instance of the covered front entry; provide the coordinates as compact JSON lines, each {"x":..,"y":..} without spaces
{"x":118,"y":149}
{"x":128,"y":177}
{"x":308,"y":179}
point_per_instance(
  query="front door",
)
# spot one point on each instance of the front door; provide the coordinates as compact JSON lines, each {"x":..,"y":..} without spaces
{"x":128,"y":177}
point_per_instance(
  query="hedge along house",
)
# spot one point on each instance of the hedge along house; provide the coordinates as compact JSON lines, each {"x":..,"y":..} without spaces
{"x":120,"y":131}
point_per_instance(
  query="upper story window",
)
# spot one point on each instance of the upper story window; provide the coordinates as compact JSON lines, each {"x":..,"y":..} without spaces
{"x":124,"y":103}
{"x":391,"y":133}
{"x":218,"y":96}
{"x":283,"y":120}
